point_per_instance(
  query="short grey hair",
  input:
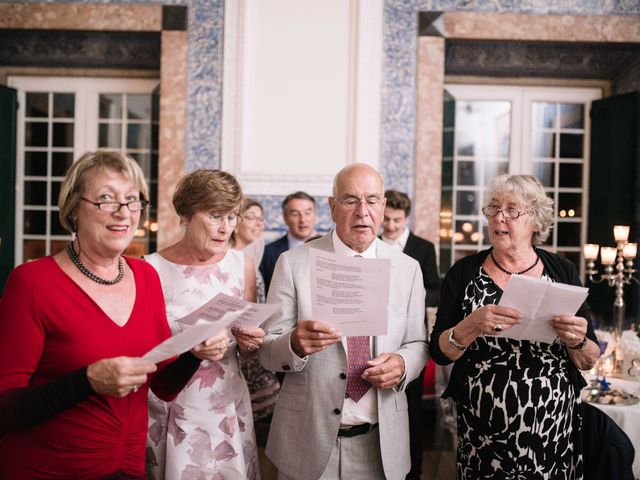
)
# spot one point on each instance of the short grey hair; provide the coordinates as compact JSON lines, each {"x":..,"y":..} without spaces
{"x":527,"y":190}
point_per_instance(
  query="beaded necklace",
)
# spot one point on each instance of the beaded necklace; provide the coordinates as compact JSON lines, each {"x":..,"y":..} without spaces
{"x":515,"y":273}
{"x":92,"y":276}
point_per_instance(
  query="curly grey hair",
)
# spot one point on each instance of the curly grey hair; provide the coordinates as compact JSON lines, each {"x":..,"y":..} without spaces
{"x":528,"y":190}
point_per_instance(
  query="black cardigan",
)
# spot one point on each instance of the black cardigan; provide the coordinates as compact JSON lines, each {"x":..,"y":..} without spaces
{"x":450,"y":310}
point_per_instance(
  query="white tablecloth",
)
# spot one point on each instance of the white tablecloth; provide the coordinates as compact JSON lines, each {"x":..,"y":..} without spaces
{"x":627,"y":417}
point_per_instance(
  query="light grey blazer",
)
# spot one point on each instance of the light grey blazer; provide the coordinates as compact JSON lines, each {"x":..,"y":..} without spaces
{"x":307,"y":415}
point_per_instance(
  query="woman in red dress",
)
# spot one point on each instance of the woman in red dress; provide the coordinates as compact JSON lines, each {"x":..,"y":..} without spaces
{"x":73,"y":390}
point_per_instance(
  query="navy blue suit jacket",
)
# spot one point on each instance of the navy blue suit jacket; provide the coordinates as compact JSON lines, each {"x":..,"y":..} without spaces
{"x":271,"y":253}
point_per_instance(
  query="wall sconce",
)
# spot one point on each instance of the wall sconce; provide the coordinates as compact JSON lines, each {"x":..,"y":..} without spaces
{"x":618,"y":269}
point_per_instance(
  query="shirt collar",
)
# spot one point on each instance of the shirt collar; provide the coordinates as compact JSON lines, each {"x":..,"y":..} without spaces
{"x":341,"y":249}
{"x":399,"y":242}
{"x":293,"y":241}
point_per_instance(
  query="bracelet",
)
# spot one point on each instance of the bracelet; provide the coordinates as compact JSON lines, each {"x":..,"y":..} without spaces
{"x":457,"y":345}
{"x":579,"y":346}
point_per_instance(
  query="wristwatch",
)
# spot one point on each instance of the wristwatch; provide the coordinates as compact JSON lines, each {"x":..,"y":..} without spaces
{"x":579,"y":346}
{"x":457,"y":345}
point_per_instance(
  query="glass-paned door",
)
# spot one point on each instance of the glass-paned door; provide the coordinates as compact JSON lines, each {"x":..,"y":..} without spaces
{"x":558,"y":160}
{"x":59,"y":119}
{"x":505,"y":129}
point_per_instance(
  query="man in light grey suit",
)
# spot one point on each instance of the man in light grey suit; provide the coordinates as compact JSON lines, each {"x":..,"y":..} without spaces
{"x":318,"y":430}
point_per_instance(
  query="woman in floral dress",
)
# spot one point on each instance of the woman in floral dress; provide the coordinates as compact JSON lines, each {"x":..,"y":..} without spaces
{"x":207,"y":431}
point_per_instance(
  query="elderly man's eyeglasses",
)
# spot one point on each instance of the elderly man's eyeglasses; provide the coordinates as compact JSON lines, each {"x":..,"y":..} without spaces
{"x":512,"y":213}
{"x":217,"y":218}
{"x":112,"y":207}
{"x":353,"y":203}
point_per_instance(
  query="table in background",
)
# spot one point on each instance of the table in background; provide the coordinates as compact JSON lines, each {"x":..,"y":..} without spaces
{"x":627,"y":417}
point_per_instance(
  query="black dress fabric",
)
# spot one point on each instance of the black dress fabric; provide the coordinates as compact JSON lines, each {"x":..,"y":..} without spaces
{"x":518,"y":415}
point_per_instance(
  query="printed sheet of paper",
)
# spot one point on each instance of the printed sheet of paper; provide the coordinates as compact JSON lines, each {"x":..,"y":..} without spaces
{"x":350,"y":293}
{"x":254,"y":314}
{"x":539,"y":301}
{"x":220,"y":312}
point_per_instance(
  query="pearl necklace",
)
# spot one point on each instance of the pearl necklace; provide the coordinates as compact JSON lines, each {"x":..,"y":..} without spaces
{"x":515,"y":273}
{"x":92,"y":276}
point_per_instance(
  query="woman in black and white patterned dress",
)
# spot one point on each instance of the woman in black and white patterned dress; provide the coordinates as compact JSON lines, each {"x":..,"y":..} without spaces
{"x":516,"y":400}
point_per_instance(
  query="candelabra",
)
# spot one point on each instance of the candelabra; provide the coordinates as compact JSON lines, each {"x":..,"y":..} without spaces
{"x":616,"y":276}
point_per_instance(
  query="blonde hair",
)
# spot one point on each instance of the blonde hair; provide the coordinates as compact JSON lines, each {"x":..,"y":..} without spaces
{"x":206,"y":190}
{"x":528,"y":190}
{"x":75,"y":181}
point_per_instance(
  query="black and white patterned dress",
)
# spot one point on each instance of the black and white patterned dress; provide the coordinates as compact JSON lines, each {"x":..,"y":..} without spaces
{"x":519,"y":415}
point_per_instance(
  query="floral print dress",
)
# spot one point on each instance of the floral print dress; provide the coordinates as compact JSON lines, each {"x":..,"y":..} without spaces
{"x":207,"y":431}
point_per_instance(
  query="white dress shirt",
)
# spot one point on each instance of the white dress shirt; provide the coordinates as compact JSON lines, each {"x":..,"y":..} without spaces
{"x":293,"y":241}
{"x":366,"y":409}
{"x":399,"y":242}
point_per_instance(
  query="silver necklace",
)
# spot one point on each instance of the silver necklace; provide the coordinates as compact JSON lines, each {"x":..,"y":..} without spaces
{"x":92,"y":276}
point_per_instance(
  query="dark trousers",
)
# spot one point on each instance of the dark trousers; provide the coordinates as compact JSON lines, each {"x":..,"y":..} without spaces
{"x":416,"y":431}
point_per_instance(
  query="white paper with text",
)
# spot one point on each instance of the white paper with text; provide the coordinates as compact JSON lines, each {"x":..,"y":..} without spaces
{"x":222,"y":311}
{"x":539,"y":301}
{"x":350,"y":293}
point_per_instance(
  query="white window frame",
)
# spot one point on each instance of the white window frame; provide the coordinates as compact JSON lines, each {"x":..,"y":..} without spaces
{"x":521,"y":159}
{"x":86,"y":113}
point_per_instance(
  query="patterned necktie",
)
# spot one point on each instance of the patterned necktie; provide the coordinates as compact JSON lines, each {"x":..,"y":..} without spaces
{"x":358,"y":353}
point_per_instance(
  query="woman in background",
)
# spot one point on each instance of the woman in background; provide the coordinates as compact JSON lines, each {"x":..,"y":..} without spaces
{"x":263,"y":384}
{"x":207,"y":431}
{"x":517,"y":401}
{"x":73,"y":390}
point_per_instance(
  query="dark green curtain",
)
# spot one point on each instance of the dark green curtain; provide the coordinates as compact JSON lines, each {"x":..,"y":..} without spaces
{"x":614,"y":197}
{"x":8,"y":109}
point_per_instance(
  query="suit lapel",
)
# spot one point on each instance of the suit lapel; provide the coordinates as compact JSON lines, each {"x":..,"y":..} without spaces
{"x":410,"y":246}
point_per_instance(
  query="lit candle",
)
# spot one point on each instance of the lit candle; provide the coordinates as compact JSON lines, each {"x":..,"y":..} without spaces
{"x":608,"y":255}
{"x":630,"y":250}
{"x":591,"y":251}
{"x":621,"y":233}
{"x":607,"y":368}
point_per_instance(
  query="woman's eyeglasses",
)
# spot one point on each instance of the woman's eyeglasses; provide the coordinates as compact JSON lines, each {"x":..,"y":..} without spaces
{"x":252,"y":219}
{"x":112,"y":207}
{"x":512,"y":213}
{"x":217,"y":218}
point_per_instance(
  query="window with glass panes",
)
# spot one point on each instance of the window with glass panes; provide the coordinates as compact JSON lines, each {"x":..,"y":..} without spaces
{"x":491,"y":130}
{"x":58,"y":120}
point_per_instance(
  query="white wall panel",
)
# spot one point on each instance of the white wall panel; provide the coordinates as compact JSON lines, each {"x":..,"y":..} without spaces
{"x":301,"y":91}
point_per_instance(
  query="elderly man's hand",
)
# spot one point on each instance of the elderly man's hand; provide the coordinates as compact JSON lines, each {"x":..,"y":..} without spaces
{"x":385,"y":370}
{"x":310,"y":337}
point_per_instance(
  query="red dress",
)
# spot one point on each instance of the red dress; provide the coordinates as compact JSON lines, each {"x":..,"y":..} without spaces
{"x":49,"y":327}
